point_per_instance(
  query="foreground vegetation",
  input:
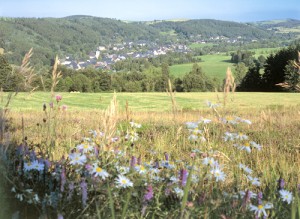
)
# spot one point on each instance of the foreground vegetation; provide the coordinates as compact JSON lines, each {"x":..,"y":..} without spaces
{"x":211,"y":162}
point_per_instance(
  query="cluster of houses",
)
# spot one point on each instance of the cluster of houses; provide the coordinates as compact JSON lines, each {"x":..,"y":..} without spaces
{"x":105,"y":57}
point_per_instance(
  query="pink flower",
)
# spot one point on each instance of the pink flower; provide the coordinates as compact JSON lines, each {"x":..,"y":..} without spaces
{"x":51,"y":105}
{"x":64,"y":107}
{"x":58,"y":98}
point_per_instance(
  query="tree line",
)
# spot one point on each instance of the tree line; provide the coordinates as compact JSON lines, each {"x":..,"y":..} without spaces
{"x":151,"y":75}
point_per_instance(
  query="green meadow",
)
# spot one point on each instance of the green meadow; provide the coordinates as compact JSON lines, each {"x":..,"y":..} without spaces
{"x":158,"y":102}
{"x":212,"y":65}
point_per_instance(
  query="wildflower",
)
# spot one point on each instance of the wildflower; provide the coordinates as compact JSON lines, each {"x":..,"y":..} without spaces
{"x":123,"y":182}
{"x":191,"y":125}
{"x":204,"y":121}
{"x":254,"y":181}
{"x":135,"y":125}
{"x":123,"y":170}
{"x":58,"y":98}
{"x":248,"y":193}
{"x":280,"y":183}
{"x":212,"y":105}
{"x":255,"y":145}
{"x":243,"y":120}
{"x":37,"y":166}
{"x":64,"y":108}
{"x":179,"y":192}
{"x":51,"y":105}
{"x":183,"y":177}
{"x":241,"y":136}
{"x":209,"y":161}
{"x":19,"y":196}
{"x":218,"y":174}
{"x":229,"y":120}
{"x":85,"y":147}
{"x":245,"y":146}
{"x":245,"y":168}
{"x":36,"y":198}
{"x":229,"y":136}
{"x":28,"y":166}
{"x":133,"y":162}
{"x":140,"y":169}
{"x":286,"y":196}
{"x":132,"y":136}
{"x":195,"y":179}
{"x":84,"y":197}
{"x":149,"y":194}
{"x":174,"y":179}
{"x":62,"y":179}
{"x":77,"y":158}
{"x":98,"y":171}
{"x":260,"y":209}
{"x":167,"y":156}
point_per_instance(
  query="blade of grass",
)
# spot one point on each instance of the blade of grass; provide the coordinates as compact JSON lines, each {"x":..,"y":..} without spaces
{"x":111,"y":203}
{"x":126,"y":204}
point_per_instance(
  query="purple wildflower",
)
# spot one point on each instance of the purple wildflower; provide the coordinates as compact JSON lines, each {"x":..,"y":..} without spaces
{"x":246,"y":198}
{"x":133,"y":162}
{"x":83,"y":186}
{"x":71,"y":190}
{"x":280,"y":183}
{"x":183,"y":177}
{"x":139,"y":160}
{"x":149,"y":194}
{"x":166,"y":156}
{"x":58,"y":98}
{"x":259,"y":198}
{"x":62,"y":179}
{"x":59,"y":216}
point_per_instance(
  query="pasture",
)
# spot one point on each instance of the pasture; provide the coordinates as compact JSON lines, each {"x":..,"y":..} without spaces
{"x":212,"y":66}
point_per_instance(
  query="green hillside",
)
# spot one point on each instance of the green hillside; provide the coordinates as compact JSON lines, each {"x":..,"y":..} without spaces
{"x":212,"y":65}
{"x":78,"y":35}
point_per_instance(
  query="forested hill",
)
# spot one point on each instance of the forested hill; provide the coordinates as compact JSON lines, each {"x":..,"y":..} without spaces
{"x":211,"y":28}
{"x":78,"y":35}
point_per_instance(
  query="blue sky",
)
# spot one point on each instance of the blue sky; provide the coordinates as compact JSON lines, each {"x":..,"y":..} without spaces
{"x":141,"y":10}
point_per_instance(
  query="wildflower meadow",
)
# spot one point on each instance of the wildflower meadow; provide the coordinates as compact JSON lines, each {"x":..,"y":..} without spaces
{"x":215,"y":163}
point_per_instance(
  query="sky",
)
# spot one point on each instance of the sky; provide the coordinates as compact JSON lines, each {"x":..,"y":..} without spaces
{"x":148,"y":10}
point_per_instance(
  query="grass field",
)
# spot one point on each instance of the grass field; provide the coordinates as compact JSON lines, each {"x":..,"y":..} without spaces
{"x":212,"y":65}
{"x":155,"y":101}
{"x":275,"y":126}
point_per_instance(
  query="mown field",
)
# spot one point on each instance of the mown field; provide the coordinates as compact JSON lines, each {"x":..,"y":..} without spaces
{"x":156,"y":102}
{"x":215,"y":65}
{"x":212,"y":65}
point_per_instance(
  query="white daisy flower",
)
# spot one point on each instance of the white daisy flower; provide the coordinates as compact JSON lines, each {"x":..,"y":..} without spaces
{"x":123,"y":182}
{"x":241,"y":136}
{"x":245,"y":146}
{"x":204,"y":121}
{"x":286,"y":196}
{"x":191,"y":125}
{"x":123,"y":170}
{"x":210,"y":161}
{"x":98,"y":171}
{"x":174,"y":179}
{"x":229,"y":136}
{"x":245,"y":168}
{"x":135,"y":125}
{"x":28,"y":166}
{"x":218,"y":174}
{"x":85,"y":147}
{"x":179,"y":192}
{"x":37,"y":166}
{"x":77,"y":158}
{"x":255,"y":145}
{"x":254,"y":181}
{"x":251,"y":194}
{"x":260,"y":209}
{"x":140,"y":169}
